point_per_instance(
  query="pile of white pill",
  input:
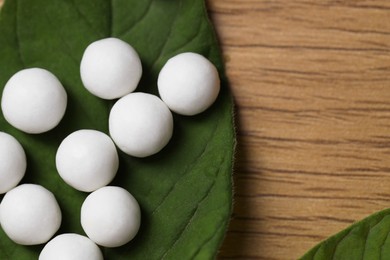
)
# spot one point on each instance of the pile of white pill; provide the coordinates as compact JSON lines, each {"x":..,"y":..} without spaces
{"x":140,"y":124}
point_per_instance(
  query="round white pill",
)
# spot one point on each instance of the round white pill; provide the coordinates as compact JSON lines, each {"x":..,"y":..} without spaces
{"x":12,"y":162}
{"x":140,"y":124}
{"x":188,"y":83}
{"x":29,"y":214}
{"x":110,"y":68}
{"x":71,"y":246}
{"x":110,"y":216}
{"x":87,"y":160}
{"x":34,"y":101}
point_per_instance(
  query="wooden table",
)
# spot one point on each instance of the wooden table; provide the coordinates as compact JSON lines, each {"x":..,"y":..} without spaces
{"x":311,"y":80}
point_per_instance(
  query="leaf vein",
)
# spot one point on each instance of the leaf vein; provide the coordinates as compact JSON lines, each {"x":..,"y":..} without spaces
{"x":84,"y":17}
{"x":17,"y":34}
{"x":8,"y":254}
{"x":142,"y":17}
{"x":208,"y":240}
{"x":64,"y":42}
{"x":339,"y":242}
{"x":192,"y":38}
{"x":383,"y":243}
{"x":368,"y":234}
{"x":167,"y":39}
{"x":111,"y":20}
{"x":187,"y":169}
{"x":194,"y":213}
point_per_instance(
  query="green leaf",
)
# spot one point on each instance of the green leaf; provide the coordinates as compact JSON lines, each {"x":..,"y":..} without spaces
{"x":367,"y":239}
{"x":185,"y":190}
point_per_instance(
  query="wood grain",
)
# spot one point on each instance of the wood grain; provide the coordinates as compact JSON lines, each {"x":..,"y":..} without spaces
{"x":311,"y":80}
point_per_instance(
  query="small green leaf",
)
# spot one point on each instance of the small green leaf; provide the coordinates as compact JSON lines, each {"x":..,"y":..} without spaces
{"x":367,"y":239}
{"x":185,"y":190}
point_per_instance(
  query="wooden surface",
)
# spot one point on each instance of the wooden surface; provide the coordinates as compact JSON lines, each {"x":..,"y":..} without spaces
{"x":311,"y":80}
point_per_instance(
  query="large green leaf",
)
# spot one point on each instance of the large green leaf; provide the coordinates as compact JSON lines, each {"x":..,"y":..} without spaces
{"x":368,"y":239}
{"x":185,"y":190}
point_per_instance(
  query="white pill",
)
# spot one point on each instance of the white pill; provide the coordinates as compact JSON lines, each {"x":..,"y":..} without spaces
{"x":34,"y":101}
{"x":71,"y":247}
{"x":110,"y":68}
{"x":140,"y":124}
{"x":110,"y":216}
{"x":188,"y":83}
{"x":87,"y":160}
{"x":29,"y":214}
{"x":12,"y":162}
